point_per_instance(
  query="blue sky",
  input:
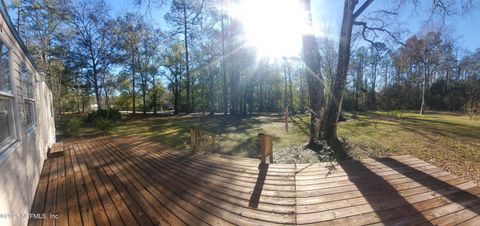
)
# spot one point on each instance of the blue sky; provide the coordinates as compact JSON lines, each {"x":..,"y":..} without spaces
{"x":328,"y":14}
{"x":465,"y":28}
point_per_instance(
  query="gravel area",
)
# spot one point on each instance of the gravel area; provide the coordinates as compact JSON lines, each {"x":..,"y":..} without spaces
{"x":300,"y":154}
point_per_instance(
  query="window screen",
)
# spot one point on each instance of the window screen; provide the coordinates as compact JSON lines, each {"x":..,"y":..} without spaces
{"x":30,"y":113}
{"x":27,"y":81}
{"x":4,"y":69}
{"x":6,"y":132}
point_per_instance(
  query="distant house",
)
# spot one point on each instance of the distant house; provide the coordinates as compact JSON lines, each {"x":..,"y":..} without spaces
{"x":26,"y":125}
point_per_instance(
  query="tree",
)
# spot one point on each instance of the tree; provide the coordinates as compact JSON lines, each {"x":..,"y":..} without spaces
{"x":42,"y":24}
{"x":91,"y":49}
{"x":350,"y":18}
{"x":131,"y":27}
{"x":148,"y":59}
{"x":430,"y":58}
{"x":174,"y":63}
{"x":314,"y":78}
{"x":183,"y":16}
{"x":224,"y":73}
{"x":359,"y":59}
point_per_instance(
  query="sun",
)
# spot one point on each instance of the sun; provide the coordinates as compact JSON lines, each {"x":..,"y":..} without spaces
{"x":273,"y":27}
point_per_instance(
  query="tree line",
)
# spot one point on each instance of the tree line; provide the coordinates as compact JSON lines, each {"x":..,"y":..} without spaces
{"x":427,"y":73}
{"x":199,"y":63}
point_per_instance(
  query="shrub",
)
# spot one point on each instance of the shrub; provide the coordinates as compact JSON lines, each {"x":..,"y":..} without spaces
{"x":104,"y":125}
{"x":72,"y":127}
{"x":110,"y":114}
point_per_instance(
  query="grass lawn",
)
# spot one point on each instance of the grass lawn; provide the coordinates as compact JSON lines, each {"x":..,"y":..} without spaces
{"x":235,"y":135}
{"x":447,"y":140}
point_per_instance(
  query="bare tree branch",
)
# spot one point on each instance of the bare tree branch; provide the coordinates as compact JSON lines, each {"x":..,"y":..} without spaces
{"x":362,"y":8}
{"x":374,"y":30}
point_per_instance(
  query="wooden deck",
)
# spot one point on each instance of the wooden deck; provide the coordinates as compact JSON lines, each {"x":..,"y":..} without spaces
{"x":131,"y":181}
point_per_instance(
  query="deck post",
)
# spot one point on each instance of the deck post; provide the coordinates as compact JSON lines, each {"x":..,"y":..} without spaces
{"x":266,"y":148}
{"x":193,"y":137}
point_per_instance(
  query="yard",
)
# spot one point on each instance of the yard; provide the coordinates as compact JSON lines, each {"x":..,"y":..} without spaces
{"x":444,"y":139}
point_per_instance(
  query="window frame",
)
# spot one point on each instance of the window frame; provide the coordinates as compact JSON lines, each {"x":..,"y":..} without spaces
{"x":6,"y":144}
{"x":26,"y":98}
{"x":9,"y":54}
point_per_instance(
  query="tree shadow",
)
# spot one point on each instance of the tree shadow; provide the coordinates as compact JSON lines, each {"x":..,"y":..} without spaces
{"x":435,"y":126}
{"x":298,"y":124}
{"x":379,"y":194}
{"x":452,"y":193}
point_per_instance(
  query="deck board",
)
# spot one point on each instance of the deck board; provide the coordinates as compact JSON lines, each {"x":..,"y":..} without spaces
{"x":133,"y":181}
{"x":39,"y":201}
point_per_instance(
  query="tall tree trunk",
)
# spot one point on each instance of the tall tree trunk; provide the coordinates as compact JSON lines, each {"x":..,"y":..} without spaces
{"x":250,"y":99}
{"x":192,"y":95}
{"x":107,"y":97}
{"x":97,"y":93}
{"x":176,"y":91}
{"x":133,"y":84}
{"x":312,"y":60}
{"x":424,"y":91}
{"x":19,"y":13}
{"x":374,"y":81}
{"x":187,"y":68}
{"x":224,"y":75}
{"x":285,"y":96}
{"x":385,"y":86}
{"x":329,"y":121}
{"x":302,"y":91}
{"x":154,"y":95}
{"x":365,"y":94}
{"x":144,"y":94}
{"x":292,"y":110}
{"x":96,"y":86}
{"x":233,"y":93}
{"x":261,"y":108}
{"x":211,"y":85}
{"x":202,"y":100}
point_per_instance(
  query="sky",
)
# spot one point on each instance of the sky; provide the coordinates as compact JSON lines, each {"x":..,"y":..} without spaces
{"x":327,"y":15}
{"x":466,"y":29}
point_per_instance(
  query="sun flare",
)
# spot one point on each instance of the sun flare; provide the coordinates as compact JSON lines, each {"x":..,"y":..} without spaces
{"x":273,"y":27}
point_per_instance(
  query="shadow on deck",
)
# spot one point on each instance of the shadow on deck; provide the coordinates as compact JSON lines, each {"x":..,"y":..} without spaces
{"x":132,"y":181}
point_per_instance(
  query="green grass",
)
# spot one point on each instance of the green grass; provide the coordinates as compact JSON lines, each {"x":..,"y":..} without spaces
{"x":235,"y":135}
{"x":448,"y":140}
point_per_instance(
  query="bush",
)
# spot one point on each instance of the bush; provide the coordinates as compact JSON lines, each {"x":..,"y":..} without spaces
{"x":110,"y":114}
{"x":104,"y":125}
{"x":72,"y":127}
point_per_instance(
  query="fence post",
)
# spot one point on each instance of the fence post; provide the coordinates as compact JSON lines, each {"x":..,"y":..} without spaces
{"x":193,"y":137}
{"x":266,"y":148}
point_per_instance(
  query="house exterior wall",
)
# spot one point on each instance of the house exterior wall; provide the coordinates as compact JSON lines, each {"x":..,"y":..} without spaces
{"x":22,"y":160}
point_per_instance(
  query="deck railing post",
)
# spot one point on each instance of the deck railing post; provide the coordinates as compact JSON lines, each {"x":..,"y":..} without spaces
{"x":193,"y":137}
{"x":266,"y":148}
{"x":201,"y":139}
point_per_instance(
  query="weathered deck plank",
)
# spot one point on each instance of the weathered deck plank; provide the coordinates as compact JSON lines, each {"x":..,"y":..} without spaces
{"x":39,"y":202}
{"x":132,"y":181}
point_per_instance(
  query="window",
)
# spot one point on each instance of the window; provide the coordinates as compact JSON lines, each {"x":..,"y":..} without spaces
{"x":4,"y":69}
{"x":30,"y":113}
{"x":27,"y":81}
{"x":28,"y":95}
{"x":7,"y":132}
